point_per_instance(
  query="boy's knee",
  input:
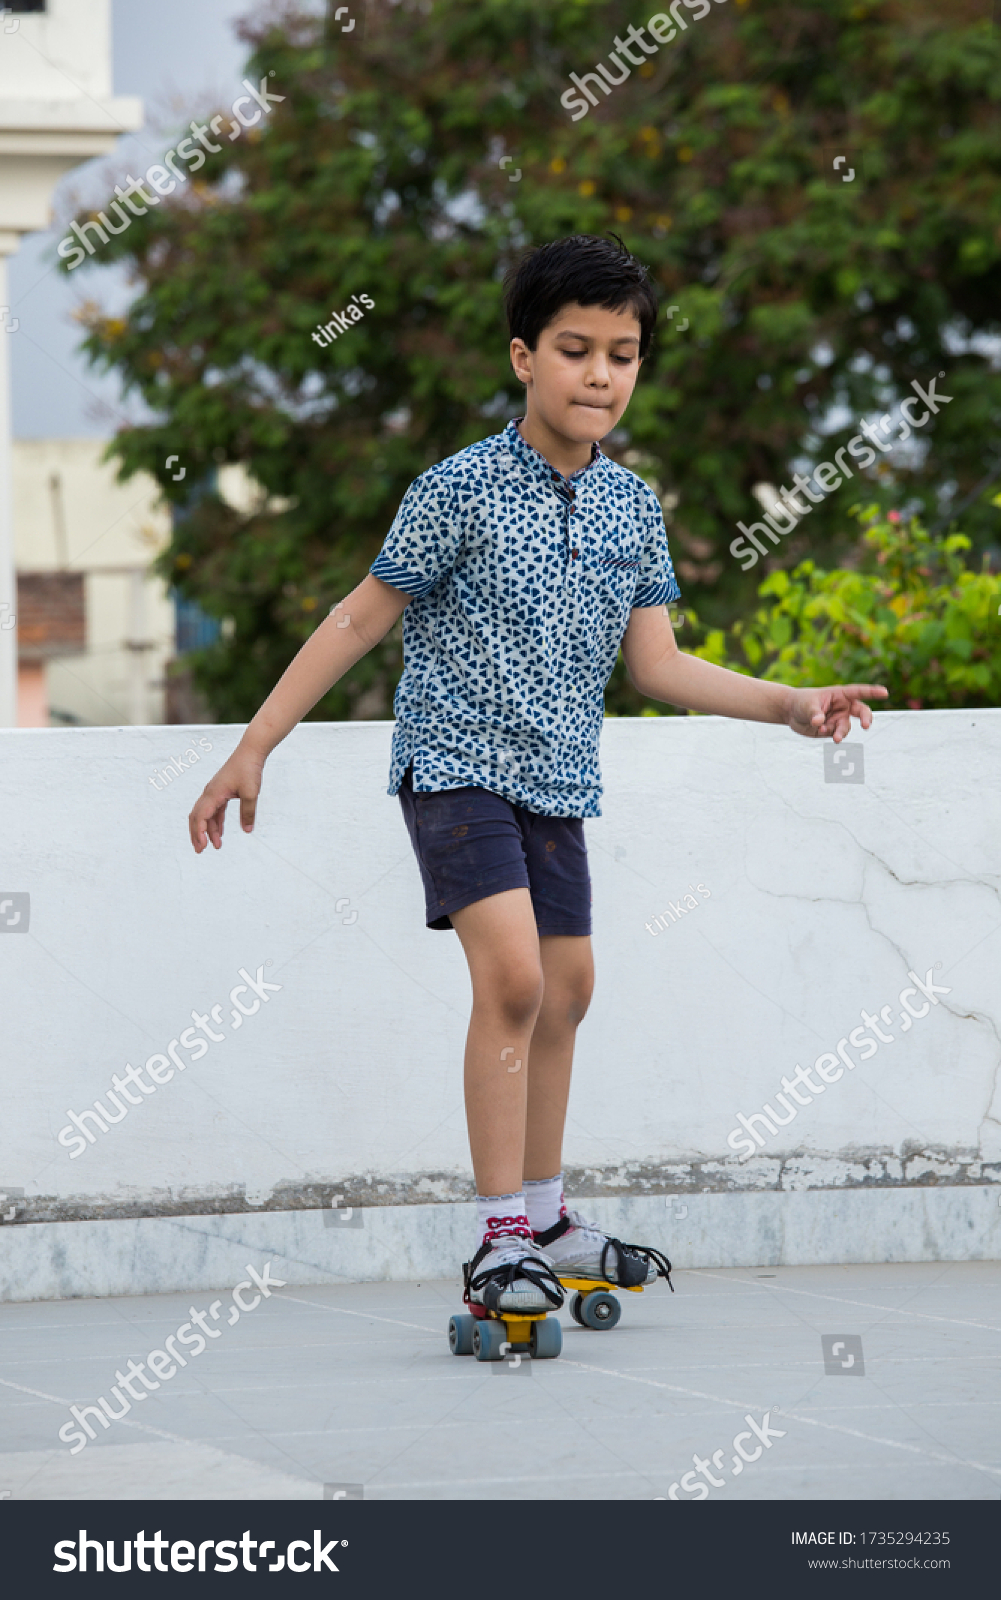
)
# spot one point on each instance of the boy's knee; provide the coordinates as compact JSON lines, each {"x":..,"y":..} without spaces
{"x":567,"y":999}
{"x":578,"y":998}
{"x":518,"y":993}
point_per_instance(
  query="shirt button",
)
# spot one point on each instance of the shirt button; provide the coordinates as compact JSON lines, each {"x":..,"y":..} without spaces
{"x":575,"y":554}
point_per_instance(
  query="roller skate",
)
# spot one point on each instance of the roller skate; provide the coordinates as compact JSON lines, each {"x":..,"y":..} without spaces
{"x":594,"y":1265}
{"x":510,"y":1288}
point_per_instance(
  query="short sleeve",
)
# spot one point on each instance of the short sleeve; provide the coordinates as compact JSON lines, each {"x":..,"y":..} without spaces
{"x":421,"y":546}
{"x":656,"y":583}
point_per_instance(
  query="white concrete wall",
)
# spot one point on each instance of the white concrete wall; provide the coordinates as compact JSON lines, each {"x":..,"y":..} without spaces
{"x":822,"y":896}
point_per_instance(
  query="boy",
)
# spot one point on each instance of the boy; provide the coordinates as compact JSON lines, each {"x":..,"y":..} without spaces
{"x":521,"y":565}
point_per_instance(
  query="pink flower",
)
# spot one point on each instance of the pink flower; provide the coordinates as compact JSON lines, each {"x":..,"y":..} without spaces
{"x":894,"y":516}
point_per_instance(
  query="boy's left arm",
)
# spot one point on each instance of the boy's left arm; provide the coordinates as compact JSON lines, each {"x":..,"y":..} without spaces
{"x":660,"y":671}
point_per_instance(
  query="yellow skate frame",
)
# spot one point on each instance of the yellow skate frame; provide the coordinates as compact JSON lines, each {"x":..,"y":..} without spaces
{"x":586,"y":1285}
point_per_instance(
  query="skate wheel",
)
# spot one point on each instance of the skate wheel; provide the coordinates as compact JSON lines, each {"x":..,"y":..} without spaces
{"x":599,"y":1310}
{"x":575,"y":1310}
{"x":487,"y":1339}
{"x":460,"y":1335}
{"x":546,"y":1339}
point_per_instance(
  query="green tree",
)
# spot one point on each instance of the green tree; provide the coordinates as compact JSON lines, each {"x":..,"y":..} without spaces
{"x":380,"y":173}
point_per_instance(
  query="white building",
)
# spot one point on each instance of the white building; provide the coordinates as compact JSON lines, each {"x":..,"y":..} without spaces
{"x":96,"y":629}
{"x":56,"y":111}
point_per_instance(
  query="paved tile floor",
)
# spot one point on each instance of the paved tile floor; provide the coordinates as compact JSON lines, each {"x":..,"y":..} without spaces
{"x":353,"y":1387}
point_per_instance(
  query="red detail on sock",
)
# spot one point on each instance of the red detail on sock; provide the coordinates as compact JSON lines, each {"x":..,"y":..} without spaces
{"x":497,"y":1227}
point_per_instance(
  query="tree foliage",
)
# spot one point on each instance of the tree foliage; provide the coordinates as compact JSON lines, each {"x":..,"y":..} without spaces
{"x":380,"y":173}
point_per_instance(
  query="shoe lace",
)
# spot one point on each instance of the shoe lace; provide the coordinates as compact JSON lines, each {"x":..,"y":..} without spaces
{"x":514,"y":1260}
{"x":590,"y":1230}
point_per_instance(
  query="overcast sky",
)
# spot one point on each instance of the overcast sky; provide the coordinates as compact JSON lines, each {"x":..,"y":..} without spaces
{"x":178,"y":56}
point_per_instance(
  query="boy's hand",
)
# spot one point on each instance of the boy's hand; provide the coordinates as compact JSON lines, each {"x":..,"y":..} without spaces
{"x":238,"y":779}
{"x":827,"y":713}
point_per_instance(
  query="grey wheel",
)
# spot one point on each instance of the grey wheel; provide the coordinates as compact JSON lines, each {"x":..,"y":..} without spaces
{"x":487,"y":1339}
{"x":600,"y":1310}
{"x":546,"y":1339}
{"x":460,"y":1335}
{"x":575,"y":1310}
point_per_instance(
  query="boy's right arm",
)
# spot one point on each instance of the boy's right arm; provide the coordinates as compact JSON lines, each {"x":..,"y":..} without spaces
{"x":351,"y":630}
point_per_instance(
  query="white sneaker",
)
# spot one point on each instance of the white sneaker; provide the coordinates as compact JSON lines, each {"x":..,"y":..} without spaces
{"x":512,"y":1274}
{"x":579,"y":1249}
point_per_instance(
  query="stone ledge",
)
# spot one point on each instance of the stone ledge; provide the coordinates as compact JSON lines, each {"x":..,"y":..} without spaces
{"x":160,"y":1255}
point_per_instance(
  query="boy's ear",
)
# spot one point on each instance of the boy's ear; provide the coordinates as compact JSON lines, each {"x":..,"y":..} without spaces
{"x":518,"y":352}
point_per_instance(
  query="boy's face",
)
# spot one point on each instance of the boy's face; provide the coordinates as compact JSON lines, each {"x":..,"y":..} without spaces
{"x":580,"y":377}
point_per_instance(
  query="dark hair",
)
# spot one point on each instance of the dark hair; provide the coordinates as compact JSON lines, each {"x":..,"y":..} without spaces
{"x":584,"y":269}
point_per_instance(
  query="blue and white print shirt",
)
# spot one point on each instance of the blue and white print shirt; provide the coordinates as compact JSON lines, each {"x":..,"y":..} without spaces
{"x":523,"y":582}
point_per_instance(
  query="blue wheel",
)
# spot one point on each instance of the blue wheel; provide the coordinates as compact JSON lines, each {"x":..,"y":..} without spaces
{"x":487,"y":1339}
{"x":599,"y":1310}
{"x":546,"y":1339}
{"x":460,"y":1335}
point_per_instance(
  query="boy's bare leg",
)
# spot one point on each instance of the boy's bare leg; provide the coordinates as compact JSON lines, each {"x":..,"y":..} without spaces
{"x":529,"y":994}
{"x":501,"y":944}
{"x":568,"y":975}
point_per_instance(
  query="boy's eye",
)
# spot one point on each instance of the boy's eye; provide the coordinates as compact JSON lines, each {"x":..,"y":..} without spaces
{"x":622,"y":360}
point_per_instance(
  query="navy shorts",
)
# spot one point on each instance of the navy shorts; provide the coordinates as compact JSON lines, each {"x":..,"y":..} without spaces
{"x":471,"y":843}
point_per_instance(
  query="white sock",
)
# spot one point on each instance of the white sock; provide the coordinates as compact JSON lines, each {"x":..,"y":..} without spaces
{"x":497,"y":1214}
{"x":544,"y":1202}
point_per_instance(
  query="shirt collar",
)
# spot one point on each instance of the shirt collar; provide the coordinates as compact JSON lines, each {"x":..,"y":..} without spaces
{"x":530,"y":457}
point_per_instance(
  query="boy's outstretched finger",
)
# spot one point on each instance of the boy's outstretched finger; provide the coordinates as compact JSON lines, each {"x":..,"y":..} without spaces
{"x":248,"y":812}
{"x":865,"y":691}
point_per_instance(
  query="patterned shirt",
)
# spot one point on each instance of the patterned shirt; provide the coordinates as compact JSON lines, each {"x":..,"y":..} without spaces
{"x":523,"y":581}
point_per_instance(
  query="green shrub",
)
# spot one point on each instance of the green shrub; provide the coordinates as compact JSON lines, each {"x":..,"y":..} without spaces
{"x":912,"y":616}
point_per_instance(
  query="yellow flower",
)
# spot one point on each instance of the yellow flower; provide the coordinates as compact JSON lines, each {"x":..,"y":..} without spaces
{"x":685,"y":153}
{"x":623,"y":213}
{"x":557,"y":164}
{"x":586,"y":187}
{"x":309,"y":604}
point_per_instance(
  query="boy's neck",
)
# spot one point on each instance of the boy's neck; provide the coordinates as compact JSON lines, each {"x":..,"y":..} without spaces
{"x":566,"y":455}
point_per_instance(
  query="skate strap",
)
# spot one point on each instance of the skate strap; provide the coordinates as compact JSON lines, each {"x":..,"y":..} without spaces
{"x":557,"y":1231}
